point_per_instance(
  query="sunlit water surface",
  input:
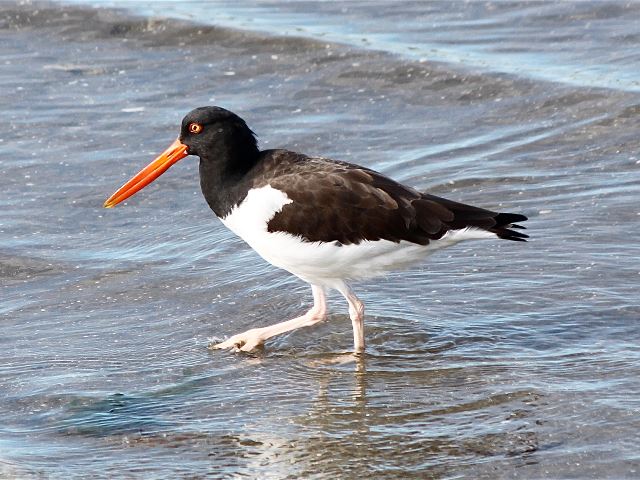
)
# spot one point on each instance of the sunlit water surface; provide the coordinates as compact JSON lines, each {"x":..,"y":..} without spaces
{"x":491,"y":360}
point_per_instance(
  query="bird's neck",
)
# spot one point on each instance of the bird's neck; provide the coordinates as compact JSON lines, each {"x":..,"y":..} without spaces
{"x":223,"y":179}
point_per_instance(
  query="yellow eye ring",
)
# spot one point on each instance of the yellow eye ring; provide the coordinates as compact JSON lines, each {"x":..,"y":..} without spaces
{"x":195,"y":127}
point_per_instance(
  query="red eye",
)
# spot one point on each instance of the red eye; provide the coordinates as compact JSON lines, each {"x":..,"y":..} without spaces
{"x":195,"y":127}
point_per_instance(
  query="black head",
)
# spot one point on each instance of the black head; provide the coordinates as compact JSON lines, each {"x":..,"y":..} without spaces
{"x":213,"y":133}
{"x":226,"y":146}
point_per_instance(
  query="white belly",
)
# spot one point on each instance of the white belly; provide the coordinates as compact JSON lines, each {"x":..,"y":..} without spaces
{"x":320,"y":263}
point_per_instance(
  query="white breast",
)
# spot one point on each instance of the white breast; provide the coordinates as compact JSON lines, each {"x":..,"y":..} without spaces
{"x":250,"y":218}
{"x":322,"y":263}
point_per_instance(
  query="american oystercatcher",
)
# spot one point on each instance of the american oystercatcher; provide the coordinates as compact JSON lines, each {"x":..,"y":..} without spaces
{"x":327,"y":222}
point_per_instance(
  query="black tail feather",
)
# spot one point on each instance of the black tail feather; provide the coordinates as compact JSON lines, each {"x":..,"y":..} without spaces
{"x":507,"y":234}
{"x":468,"y":216}
{"x":503,"y":219}
{"x":504,"y":224}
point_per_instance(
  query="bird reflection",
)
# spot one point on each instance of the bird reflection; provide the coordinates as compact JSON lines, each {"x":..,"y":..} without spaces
{"x":331,"y":408}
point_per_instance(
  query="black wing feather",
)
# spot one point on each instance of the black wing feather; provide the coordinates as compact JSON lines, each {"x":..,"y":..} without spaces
{"x":340,"y":202}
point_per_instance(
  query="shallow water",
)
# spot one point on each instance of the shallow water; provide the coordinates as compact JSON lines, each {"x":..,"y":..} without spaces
{"x":491,"y":360}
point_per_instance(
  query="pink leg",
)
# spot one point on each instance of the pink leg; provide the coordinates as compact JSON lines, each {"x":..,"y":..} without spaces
{"x":250,"y":339}
{"x":356,"y":313}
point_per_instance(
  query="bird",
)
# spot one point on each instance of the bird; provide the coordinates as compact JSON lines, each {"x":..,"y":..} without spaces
{"x":328,"y":222}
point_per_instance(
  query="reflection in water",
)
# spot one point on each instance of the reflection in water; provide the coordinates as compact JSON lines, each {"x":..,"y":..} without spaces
{"x":347,"y":424}
{"x":356,"y":409}
{"x":359,"y":384}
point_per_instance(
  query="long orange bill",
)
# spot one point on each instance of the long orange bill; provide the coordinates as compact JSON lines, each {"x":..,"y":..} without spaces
{"x":148,"y":174}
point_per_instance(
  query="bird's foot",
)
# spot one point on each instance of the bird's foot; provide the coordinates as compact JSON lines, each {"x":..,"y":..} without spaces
{"x":242,"y":342}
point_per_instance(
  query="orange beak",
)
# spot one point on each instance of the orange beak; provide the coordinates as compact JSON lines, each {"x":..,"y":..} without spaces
{"x":176,"y":151}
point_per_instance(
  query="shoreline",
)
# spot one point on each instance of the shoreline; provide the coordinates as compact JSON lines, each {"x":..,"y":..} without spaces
{"x":542,"y":64}
{"x":106,"y":23}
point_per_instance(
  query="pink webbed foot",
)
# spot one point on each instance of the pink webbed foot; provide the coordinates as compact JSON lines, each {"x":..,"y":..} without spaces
{"x":242,"y":342}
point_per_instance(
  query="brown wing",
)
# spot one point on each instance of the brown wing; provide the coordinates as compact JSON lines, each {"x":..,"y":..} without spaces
{"x":340,"y":202}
